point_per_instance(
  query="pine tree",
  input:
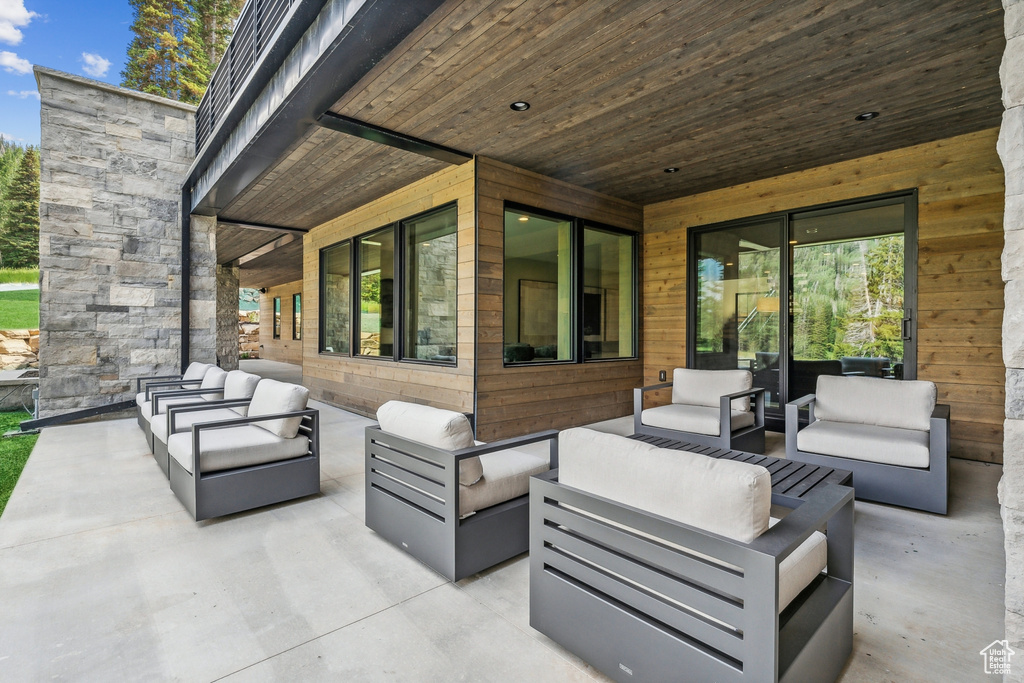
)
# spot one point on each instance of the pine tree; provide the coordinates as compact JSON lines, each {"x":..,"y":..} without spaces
{"x":10,"y":158}
{"x":159,"y":49}
{"x":19,"y":234}
{"x":177,"y":45}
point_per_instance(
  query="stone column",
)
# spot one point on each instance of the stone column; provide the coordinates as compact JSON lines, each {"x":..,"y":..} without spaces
{"x":111,"y":166}
{"x":203,"y":290}
{"x":227,"y":317}
{"x":1011,"y":486}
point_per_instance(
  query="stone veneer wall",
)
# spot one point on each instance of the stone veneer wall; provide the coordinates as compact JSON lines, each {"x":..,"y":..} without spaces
{"x":1011,"y":486}
{"x":227,"y":317}
{"x":111,"y":166}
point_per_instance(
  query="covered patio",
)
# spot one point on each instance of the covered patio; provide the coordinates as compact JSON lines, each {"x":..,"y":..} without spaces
{"x":105,"y":576}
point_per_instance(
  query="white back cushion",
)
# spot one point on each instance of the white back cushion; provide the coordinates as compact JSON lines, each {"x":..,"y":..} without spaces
{"x":724,"y":497}
{"x":903,"y":404}
{"x":240,"y":385}
{"x":273,"y":397}
{"x":707,"y":387}
{"x":444,"y":429}
{"x":196,"y":370}
{"x":214,"y":378}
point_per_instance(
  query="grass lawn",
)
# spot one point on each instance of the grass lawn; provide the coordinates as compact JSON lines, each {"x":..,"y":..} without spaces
{"x":14,"y":453}
{"x":19,"y":310}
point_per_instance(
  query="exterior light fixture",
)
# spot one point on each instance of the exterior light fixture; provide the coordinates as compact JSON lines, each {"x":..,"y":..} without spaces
{"x":792,"y":241}
{"x":671,"y":169}
{"x":523,"y":219}
{"x":519,"y":106}
{"x":866,"y":116}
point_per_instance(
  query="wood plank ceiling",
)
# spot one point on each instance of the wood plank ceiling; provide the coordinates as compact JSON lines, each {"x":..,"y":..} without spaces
{"x":728,"y":92}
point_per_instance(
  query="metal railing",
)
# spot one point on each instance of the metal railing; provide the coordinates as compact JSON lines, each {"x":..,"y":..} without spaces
{"x":257,"y":23}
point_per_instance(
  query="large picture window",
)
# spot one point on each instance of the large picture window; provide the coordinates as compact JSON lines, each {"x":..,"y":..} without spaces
{"x":403,"y":300}
{"x":336,"y":298}
{"x":296,"y":316}
{"x":431,"y":265}
{"x":570,"y":289}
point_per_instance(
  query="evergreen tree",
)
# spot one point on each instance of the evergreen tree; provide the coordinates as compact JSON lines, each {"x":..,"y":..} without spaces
{"x":10,"y":159}
{"x":177,"y":45}
{"x":19,"y":234}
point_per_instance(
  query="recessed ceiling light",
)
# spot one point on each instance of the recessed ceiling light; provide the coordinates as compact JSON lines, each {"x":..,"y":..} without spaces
{"x":729,"y":263}
{"x":519,"y":106}
{"x":671,"y":169}
{"x":524,"y":218}
{"x":792,"y":241}
{"x":866,"y":116}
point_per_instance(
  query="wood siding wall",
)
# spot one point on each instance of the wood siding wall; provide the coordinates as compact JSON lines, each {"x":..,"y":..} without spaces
{"x":519,"y":400}
{"x":960,"y":290}
{"x":285,"y":349}
{"x":363,"y":384}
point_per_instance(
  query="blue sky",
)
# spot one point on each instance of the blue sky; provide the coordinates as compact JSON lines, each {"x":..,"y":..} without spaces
{"x":84,"y":37}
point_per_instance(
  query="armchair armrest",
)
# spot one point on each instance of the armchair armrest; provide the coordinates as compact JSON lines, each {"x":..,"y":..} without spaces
{"x":793,"y":420}
{"x":830,"y":505}
{"x":152,"y":378}
{"x":638,"y":401}
{"x":181,"y":408}
{"x":725,"y":408}
{"x":162,"y":396}
{"x":514,"y":442}
{"x":168,"y":384}
{"x":938,"y":436}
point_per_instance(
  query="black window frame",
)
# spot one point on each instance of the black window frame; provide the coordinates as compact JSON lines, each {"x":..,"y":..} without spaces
{"x":275,"y":313}
{"x":398,"y":348}
{"x":352,"y":302}
{"x":577,"y":279}
{"x":296,"y":316}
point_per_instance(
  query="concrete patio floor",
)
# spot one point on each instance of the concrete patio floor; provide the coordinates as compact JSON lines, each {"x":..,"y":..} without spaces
{"x":104,"y":576}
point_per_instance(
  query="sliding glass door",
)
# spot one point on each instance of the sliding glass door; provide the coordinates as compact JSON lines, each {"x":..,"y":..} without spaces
{"x":829,"y":291}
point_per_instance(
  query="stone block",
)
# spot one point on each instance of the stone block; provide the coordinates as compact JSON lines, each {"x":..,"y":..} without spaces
{"x":123,"y":131}
{"x":1011,"y":72}
{"x":1011,"y":485}
{"x":1010,"y":146}
{"x":153,"y":356}
{"x":67,"y":195}
{"x":1013,"y":325}
{"x":131,"y":296}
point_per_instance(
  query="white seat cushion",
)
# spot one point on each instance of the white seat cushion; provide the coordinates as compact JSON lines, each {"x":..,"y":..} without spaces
{"x":886,"y":445}
{"x":875,"y":401}
{"x":272,"y":397}
{"x":140,"y":398}
{"x":506,"y":475}
{"x":801,"y":567}
{"x":183,"y":421}
{"x":725,"y":497}
{"x":242,"y":446}
{"x":444,"y":429}
{"x":147,"y":407}
{"x":693,"y":419}
{"x":706,"y":387}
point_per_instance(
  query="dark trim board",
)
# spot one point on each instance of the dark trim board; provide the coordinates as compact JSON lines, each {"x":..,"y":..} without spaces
{"x":391,"y":138}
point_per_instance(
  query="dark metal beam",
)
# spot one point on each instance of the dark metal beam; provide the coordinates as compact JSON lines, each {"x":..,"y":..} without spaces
{"x":383,"y":136}
{"x":267,"y":248}
{"x":29,"y":425}
{"x":261,"y":226}
{"x":186,"y":275}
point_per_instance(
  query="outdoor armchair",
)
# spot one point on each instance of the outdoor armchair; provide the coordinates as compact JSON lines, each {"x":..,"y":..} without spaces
{"x":203,"y":406}
{"x":146,"y":386}
{"x":710,"y":407}
{"x":161,"y":397}
{"x":454,"y":504}
{"x":269,"y":456}
{"x":658,"y":565}
{"x":889,"y":433}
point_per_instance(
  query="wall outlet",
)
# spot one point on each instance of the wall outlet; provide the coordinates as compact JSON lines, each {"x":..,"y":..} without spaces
{"x":662,"y":376}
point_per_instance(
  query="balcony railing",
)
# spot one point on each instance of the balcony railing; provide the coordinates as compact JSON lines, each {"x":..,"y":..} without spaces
{"x":257,"y":23}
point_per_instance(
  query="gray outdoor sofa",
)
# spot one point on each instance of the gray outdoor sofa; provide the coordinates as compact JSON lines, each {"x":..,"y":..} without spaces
{"x":454,"y":504}
{"x":145,"y":387}
{"x":658,"y":565}
{"x":889,"y":433}
{"x":226,"y":403}
{"x":157,"y":397}
{"x":269,"y":456}
{"x":718,"y":408}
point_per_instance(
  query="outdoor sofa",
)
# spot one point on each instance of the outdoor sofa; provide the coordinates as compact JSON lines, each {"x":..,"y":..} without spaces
{"x":158,"y":397}
{"x":145,"y":387}
{"x":269,"y":456}
{"x":718,"y":408}
{"x":656,"y":565}
{"x":208,"y":406}
{"x":889,"y":433}
{"x":456,"y":505}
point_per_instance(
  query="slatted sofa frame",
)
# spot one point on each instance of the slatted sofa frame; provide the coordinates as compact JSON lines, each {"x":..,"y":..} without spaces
{"x":214,"y":494}
{"x":162,"y":396}
{"x":164,"y":384}
{"x":749,"y":439}
{"x":924,"y":489}
{"x":610,"y":583}
{"x":412,"y":500}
